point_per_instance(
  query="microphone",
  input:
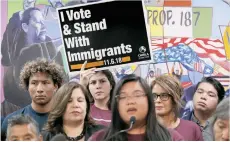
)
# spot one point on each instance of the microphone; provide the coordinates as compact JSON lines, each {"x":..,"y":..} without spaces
{"x":59,"y":137}
{"x":132,"y":121}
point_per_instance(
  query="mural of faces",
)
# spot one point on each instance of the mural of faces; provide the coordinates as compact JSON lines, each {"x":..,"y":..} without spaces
{"x":36,"y":29}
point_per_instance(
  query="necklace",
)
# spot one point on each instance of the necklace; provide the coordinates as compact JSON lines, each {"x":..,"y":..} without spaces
{"x":77,"y":137}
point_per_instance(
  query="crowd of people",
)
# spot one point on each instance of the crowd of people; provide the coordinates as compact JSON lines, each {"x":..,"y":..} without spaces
{"x":100,"y":108}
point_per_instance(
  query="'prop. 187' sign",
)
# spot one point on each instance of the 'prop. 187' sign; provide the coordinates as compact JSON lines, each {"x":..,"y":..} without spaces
{"x":105,"y":34}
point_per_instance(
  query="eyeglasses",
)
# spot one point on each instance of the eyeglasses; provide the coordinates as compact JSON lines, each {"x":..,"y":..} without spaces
{"x":134,"y":96}
{"x":163,"y":96}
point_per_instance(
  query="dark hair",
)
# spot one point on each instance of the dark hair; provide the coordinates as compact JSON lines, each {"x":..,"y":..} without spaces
{"x":154,"y":131}
{"x":22,"y":120}
{"x":216,"y":84}
{"x":41,"y":65}
{"x":60,"y":101}
{"x":112,"y":82}
{"x":20,"y":37}
{"x":26,"y":16}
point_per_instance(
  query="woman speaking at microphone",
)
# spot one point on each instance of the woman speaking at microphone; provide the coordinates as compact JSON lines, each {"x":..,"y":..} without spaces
{"x":69,"y":115}
{"x":133,"y":114}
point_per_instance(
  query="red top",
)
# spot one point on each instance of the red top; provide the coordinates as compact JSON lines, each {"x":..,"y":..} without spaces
{"x":102,"y":117}
{"x":189,"y":130}
{"x":98,"y":136}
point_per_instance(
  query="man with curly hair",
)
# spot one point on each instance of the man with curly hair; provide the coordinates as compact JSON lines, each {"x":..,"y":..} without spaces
{"x":30,"y":43}
{"x":41,"y":78}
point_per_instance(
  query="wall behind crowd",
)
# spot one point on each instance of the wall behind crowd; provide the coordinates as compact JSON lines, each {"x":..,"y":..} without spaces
{"x":193,"y":42}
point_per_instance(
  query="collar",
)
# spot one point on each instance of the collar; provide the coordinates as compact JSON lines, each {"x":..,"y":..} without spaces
{"x":194,"y":119}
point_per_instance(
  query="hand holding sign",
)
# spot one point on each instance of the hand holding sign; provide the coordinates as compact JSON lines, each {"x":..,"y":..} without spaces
{"x":86,"y":74}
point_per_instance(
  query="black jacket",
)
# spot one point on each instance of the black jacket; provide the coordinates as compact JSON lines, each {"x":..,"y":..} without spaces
{"x":90,"y":129}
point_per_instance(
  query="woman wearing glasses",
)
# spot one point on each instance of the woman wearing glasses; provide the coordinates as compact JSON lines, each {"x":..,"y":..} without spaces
{"x":133,"y":98}
{"x":167,"y":92}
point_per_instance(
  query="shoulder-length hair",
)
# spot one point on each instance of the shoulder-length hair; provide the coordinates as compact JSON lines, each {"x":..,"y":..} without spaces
{"x":173,"y":87}
{"x":112,"y":82}
{"x":154,"y":131}
{"x":60,"y":101}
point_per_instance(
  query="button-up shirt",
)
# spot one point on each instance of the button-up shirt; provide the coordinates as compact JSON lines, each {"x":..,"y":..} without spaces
{"x":207,"y":136}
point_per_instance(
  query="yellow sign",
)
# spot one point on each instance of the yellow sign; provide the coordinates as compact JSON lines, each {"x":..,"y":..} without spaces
{"x":226,"y":39}
{"x":155,"y":29}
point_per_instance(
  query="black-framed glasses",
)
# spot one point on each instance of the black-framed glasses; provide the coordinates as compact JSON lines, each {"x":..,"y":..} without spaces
{"x":162,"y":96}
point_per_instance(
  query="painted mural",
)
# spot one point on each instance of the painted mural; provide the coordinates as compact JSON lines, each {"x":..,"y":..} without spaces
{"x":190,"y":39}
{"x":30,"y":29}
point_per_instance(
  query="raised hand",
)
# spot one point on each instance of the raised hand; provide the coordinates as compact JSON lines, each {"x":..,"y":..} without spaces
{"x":86,"y":74}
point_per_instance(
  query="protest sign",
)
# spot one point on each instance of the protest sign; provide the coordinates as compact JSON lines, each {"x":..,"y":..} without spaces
{"x":106,"y":34}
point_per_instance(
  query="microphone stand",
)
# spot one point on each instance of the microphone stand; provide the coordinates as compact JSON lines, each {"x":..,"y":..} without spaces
{"x":122,"y":131}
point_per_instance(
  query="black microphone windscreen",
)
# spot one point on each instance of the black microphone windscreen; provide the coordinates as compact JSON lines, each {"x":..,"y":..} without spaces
{"x":59,"y":137}
{"x":132,"y":119}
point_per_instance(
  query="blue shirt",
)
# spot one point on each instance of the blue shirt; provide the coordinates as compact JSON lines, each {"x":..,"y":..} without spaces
{"x":40,"y":118}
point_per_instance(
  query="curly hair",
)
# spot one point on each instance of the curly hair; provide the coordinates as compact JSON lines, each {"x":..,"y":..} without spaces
{"x":41,"y":65}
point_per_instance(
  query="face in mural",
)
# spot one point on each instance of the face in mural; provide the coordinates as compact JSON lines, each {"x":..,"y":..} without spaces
{"x":36,"y":30}
{"x":28,"y":4}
